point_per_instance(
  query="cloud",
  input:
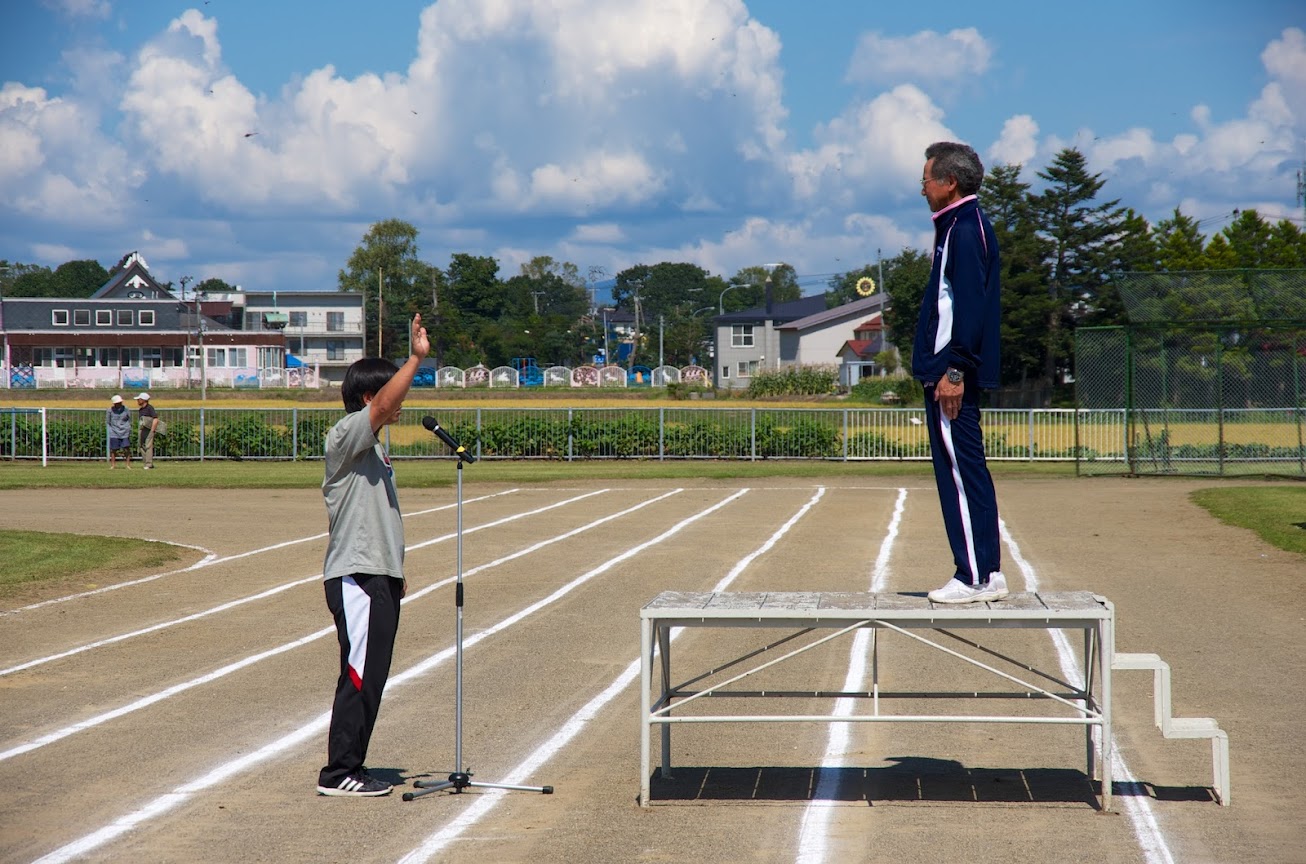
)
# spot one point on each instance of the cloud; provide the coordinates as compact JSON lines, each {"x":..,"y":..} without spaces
{"x":80,"y":8}
{"x":604,"y":232}
{"x":163,"y":248}
{"x":56,"y":164}
{"x":924,"y":58}
{"x":1285,"y":61}
{"x":1018,"y":142}
{"x":874,"y":147}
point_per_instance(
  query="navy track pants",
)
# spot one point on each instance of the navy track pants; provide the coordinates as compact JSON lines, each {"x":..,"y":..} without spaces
{"x":966,"y":494}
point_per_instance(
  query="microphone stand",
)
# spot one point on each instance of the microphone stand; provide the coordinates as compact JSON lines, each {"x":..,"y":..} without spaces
{"x":460,"y":779}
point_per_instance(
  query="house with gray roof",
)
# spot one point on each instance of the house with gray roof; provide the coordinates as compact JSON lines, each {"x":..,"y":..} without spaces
{"x":799,"y":332}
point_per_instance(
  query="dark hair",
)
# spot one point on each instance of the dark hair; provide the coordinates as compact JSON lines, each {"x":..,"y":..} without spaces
{"x":365,"y":376}
{"x":959,"y":161}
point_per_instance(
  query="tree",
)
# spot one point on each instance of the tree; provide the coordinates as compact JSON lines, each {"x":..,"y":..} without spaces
{"x":905,"y":277}
{"x":554,"y":287}
{"x":1026,"y":306}
{"x":385,"y":268}
{"x":27,"y":280}
{"x":1134,"y":251}
{"x":213,"y":285}
{"x":77,"y":279}
{"x":1287,"y":246}
{"x":749,"y":289}
{"x":843,"y":287}
{"x":1249,"y":238}
{"x":1080,"y":231}
{"x":1179,"y":244}
{"x":1219,"y":255}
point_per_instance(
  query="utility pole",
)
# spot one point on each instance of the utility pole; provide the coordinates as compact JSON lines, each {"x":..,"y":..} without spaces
{"x":661,"y":322}
{"x":606,"y":358}
{"x":1301,"y":188}
{"x":879,"y":262}
{"x":380,"y":311}
{"x":184,"y":280}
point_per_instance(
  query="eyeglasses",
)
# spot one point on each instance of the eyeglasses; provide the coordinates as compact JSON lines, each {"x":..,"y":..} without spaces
{"x":925,"y":181}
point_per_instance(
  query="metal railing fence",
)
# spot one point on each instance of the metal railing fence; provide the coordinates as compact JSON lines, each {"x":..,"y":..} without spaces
{"x":847,"y":434}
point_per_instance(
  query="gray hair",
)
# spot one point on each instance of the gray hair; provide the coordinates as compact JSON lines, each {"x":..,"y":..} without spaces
{"x":959,"y":161}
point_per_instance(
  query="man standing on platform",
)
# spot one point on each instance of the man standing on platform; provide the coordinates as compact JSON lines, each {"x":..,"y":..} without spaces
{"x":955,"y":355}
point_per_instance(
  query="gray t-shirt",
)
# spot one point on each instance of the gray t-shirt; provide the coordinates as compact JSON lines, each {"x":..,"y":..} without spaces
{"x":367,"y":532}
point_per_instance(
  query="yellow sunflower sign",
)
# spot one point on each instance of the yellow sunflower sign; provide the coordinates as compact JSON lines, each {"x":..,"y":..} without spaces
{"x":866,"y":286}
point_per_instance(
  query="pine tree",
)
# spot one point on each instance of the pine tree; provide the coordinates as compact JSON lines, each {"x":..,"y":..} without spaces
{"x":1180,"y":245}
{"x":1026,"y":305}
{"x":1082,"y":232}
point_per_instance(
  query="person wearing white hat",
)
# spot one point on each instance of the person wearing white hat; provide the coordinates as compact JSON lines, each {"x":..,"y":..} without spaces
{"x":118,"y":426}
{"x":148,"y":420}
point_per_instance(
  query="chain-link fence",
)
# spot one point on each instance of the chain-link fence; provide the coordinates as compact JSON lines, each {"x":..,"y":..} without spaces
{"x":1209,"y":377}
{"x":560,"y":433}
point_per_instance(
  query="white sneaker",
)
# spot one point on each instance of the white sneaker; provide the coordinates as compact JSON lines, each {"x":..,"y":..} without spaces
{"x":957,"y":591}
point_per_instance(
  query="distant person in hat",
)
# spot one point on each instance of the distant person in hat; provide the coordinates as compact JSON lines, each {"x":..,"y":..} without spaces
{"x":118,"y":424}
{"x":148,"y":421}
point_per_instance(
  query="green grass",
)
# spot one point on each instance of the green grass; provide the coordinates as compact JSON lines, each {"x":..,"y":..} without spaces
{"x":36,"y":556}
{"x":432,"y":473}
{"x":1275,"y":513}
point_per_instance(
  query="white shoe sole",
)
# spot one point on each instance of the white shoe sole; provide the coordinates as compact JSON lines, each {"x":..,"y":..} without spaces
{"x":341,"y":793}
{"x":978,"y":597}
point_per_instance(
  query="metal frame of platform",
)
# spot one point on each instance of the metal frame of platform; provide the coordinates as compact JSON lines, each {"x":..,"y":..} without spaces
{"x":842,"y":614}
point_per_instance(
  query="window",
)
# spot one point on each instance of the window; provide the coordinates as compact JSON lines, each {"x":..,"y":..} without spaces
{"x":335,"y":321}
{"x":230,"y":358}
{"x":747,"y":368}
{"x":725,"y":370}
{"x":146,"y":318}
{"x":125,"y":318}
{"x":59,"y":317}
{"x":81,"y":317}
{"x":107,"y":357}
{"x":63,"y":357}
{"x":103,"y":317}
{"x":335,"y":349}
{"x":174,"y":357}
{"x":741,"y":336}
{"x":152,"y":358}
{"x":131,"y":356}
{"x":85,"y":357}
{"x":298,"y":319}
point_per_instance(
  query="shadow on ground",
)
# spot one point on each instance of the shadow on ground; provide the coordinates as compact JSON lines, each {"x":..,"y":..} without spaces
{"x":911,"y":778}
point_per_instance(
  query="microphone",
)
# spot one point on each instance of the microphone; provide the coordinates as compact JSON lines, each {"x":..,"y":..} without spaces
{"x":459,"y":450}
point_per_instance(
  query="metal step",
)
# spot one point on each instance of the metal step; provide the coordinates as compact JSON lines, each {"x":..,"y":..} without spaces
{"x":1181,"y":727}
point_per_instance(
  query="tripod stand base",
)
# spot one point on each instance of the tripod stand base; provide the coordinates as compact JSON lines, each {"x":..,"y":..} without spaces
{"x":460,"y":780}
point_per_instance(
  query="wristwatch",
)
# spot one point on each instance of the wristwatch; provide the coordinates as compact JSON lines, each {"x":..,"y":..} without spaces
{"x":955,"y":376}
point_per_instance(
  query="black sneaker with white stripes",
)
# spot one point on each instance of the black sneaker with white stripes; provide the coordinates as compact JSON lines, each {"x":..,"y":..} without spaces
{"x":357,"y":785}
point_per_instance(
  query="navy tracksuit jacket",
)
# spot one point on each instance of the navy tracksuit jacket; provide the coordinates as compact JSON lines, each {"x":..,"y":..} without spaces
{"x":959,"y":327}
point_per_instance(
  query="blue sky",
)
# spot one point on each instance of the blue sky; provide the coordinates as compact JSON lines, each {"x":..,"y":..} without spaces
{"x":256,"y":141}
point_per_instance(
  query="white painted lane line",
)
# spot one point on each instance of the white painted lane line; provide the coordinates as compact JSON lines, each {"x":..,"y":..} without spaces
{"x":813,"y":833}
{"x":222,"y":672}
{"x":170,"y":800}
{"x":1151,"y":839}
{"x":484,"y":803}
{"x":211,"y":559}
{"x":262,"y":595}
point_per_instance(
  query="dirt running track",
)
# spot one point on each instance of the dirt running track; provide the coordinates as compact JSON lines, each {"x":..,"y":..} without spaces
{"x":167,"y":722}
